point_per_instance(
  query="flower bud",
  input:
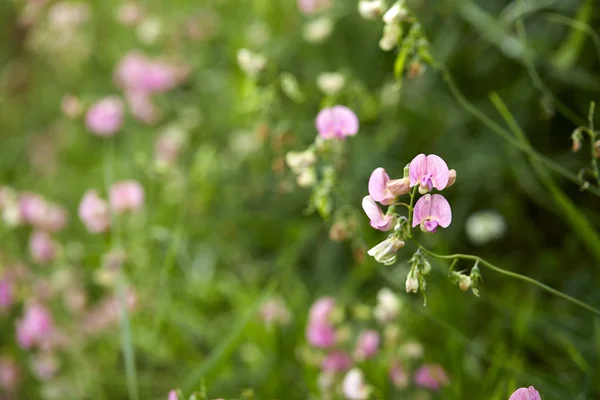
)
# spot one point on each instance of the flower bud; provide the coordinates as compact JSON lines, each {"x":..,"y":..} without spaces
{"x":451,"y":178}
{"x":371,"y":9}
{"x":395,"y":14}
{"x":412,"y":284}
{"x":464,"y":282}
{"x":426,"y":267}
{"x":299,"y":161}
{"x":391,"y":32}
{"x":385,"y":252}
{"x":576,"y":140}
{"x":307,"y":178}
{"x":388,"y":306}
{"x":398,"y":187}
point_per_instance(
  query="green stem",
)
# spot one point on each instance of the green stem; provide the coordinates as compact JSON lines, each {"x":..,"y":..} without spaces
{"x":410,"y":212}
{"x":593,"y":136}
{"x":513,"y":275}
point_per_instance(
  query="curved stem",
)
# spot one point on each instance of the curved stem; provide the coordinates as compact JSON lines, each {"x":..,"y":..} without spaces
{"x":513,"y":275}
{"x":593,"y":135}
{"x":410,"y":211}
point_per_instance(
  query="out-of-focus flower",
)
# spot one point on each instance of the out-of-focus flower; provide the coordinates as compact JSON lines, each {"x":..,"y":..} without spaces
{"x":142,"y":108}
{"x":371,"y":9}
{"x":71,"y":106}
{"x":367,"y":345}
{"x":105,"y":117}
{"x":149,"y":30}
{"x":431,"y":212}
{"x":337,"y":361}
{"x":168,"y":146}
{"x":45,"y":366}
{"x":484,"y":226}
{"x":137,"y":73}
{"x":6,"y":294}
{"x":331,"y":83}
{"x":526,"y":394}
{"x":35,"y":328}
{"x":389,"y":40}
{"x":126,"y":195}
{"x":388,"y":306}
{"x":307,"y":178}
{"x":251,"y":63}
{"x":385,"y":252}
{"x":130,"y":14}
{"x":431,"y":377}
{"x":398,"y":375}
{"x":354,"y":386}
{"x":396,"y":13}
{"x":275,"y":312}
{"x":9,"y":374}
{"x":428,"y":172}
{"x":309,"y":7}
{"x":41,"y":214}
{"x":68,"y":15}
{"x":172,"y":395}
{"x":11,"y":207}
{"x":317,"y":30}
{"x":321,"y":335}
{"x":411,"y":349}
{"x":337,"y":122}
{"x":322,"y":310}
{"x":94,"y":212}
{"x":377,"y":218}
{"x":106,"y":313}
{"x":41,"y":247}
{"x":299,"y":161}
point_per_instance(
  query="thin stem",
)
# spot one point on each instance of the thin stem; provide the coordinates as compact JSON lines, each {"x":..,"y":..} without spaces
{"x":593,"y":136}
{"x":410,"y":211}
{"x":513,"y":275}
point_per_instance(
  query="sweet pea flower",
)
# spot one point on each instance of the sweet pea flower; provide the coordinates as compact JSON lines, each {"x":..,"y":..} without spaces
{"x":428,"y":172}
{"x":338,"y":361}
{"x":384,"y":190}
{"x":337,"y":122}
{"x":385,"y":252}
{"x":173,"y":395}
{"x":35,"y":327}
{"x":378,"y":219}
{"x":142,"y":108}
{"x":136,"y":72}
{"x":367,"y":345}
{"x":94,"y":212}
{"x":525,"y":394}
{"x":432,"y":211}
{"x":105,"y":117}
{"x":354,"y":386}
{"x":320,"y":335}
{"x":309,"y":7}
{"x":126,"y":195}
{"x":41,"y":247}
{"x":431,"y":377}
{"x":321,"y":310}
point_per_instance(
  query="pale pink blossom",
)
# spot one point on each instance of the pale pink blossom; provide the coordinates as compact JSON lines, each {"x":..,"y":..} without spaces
{"x":428,"y":172}
{"x":94,"y":212}
{"x":126,"y":195}
{"x":310,"y":7}
{"x":137,"y":73}
{"x":321,"y":310}
{"x":6,"y":294}
{"x":320,"y":334}
{"x":384,"y":190}
{"x":354,"y":386}
{"x":367,"y":345}
{"x":398,"y":375}
{"x":431,"y":377}
{"x":41,"y":247}
{"x":172,"y":395}
{"x":45,"y":366}
{"x":142,"y":108}
{"x":9,"y":374}
{"x":275,"y":312}
{"x":526,"y":394}
{"x":432,"y":211}
{"x":337,"y":122}
{"x":337,"y":361}
{"x":130,"y":14}
{"x":105,"y":117}
{"x":35,"y":328}
{"x":71,"y":106}
{"x":38,"y":212}
{"x":378,"y":220}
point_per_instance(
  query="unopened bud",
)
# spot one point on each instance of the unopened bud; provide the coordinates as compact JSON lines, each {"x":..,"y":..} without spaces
{"x":318,"y":29}
{"x":307,"y":178}
{"x":391,"y":33}
{"x":385,"y":252}
{"x":298,"y":161}
{"x":451,"y":178}
{"x":338,"y":232}
{"x":398,"y":187}
{"x":426,"y":268}
{"x":415,"y":69}
{"x":371,"y":9}
{"x":395,"y":14}
{"x":576,"y":141}
{"x":412,"y":284}
{"x":464,"y":282}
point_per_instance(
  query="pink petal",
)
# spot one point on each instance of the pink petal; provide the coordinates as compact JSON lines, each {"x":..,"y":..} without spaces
{"x":378,"y":219}
{"x":347,"y":121}
{"x":440,"y":210}
{"x":377,"y":184}
{"x":422,"y":210}
{"x":417,"y":168}
{"x":438,"y":170}
{"x":525,"y":394}
{"x":324,"y":124}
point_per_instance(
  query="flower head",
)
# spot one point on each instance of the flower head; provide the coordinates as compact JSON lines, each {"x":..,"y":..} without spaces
{"x":431,"y":376}
{"x":337,"y":122}
{"x":378,"y":189}
{"x":432,"y":211}
{"x":337,"y":361}
{"x":42,"y":247}
{"x":525,"y":394}
{"x":321,"y":310}
{"x":6,"y":294}
{"x":428,"y":172}
{"x":354,"y":386}
{"x":367,"y":344}
{"x":378,"y":219}
{"x":94,"y":212}
{"x":398,"y":375}
{"x":388,"y":306}
{"x":321,"y":335}
{"x":35,"y":327}
{"x":105,"y":117}
{"x":172,"y":395}
{"x":126,"y":195}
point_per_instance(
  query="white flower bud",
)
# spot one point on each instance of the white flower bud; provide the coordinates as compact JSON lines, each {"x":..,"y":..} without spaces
{"x":331,"y":83}
{"x":299,"y":161}
{"x":464,"y":282}
{"x":388,"y":306}
{"x":385,"y":252}
{"x":251,"y":63}
{"x":354,"y":386}
{"x":307,"y":178}
{"x":318,"y":30}
{"x":396,"y":13}
{"x":371,"y":9}
{"x":391,"y":32}
{"x":412,"y":284}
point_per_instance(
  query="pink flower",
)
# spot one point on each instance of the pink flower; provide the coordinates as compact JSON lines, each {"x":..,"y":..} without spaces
{"x":142,"y":108}
{"x":6,"y":294}
{"x":431,"y":376}
{"x":126,"y":195}
{"x":321,"y":310}
{"x":41,"y":247}
{"x":41,"y":214}
{"x":105,"y":117}
{"x":428,"y":172}
{"x":337,"y":122}
{"x":367,"y":345}
{"x":384,"y":190}
{"x":172,"y":395}
{"x":378,"y":219}
{"x":321,"y":335}
{"x":432,"y":211}
{"x":398,"y":375}
{"x":337,"y":361}
{"x":309,"y":7}
{"x":45,"y":366}
{"x":274,"y":311}
{"x":9,"y":373}
{"x":35,"y":328}
{"x":94,"y":212}
{"x":525,"y":394}
{"x":139,"y":74}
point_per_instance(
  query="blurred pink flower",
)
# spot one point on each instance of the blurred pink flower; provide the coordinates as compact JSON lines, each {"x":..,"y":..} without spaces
{"x":129,"y":14}
{"x":274,"y":311}
{"x":105,"y":117}
{"x":310,"y":7}
{"x":525,"y":394}
{"x":71,"y":106}
{"x":367,"y":345}
{"x":337,"y":122}
{"x":41,"y":247}
{"x":398,"y":375}
{"x":35,"y":328}
{"x":126,"y":195}
{"x":321,"y":310}
{"x":428,"y":172}
{"x":320,"y":334}
{"x":172,"y":395}
{"x":9,"y":373}
{"x":431,"y":376}
{"x":94,"y":212}
{"x":41,"y":214}
{"x":137,"y":73}
{"x":45,"y":366}
{"x":106,"y":313}
{"x":142,"y":108}
{"x":378,"y":219}
{"x":431,"y":212}
{"x":167,"y":147}
{"x":337,"y":361}
{"x":6,"y":294}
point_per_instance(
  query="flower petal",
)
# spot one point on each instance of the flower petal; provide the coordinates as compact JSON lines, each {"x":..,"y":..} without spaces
{"x":440,"y":210}
{"x":346,"y":120}
{"x":377,"y":184}
{"x":324,"y":124}
{"x":422,"y":210}
{"x":438,"y":170}
{"x":417,"y":168}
